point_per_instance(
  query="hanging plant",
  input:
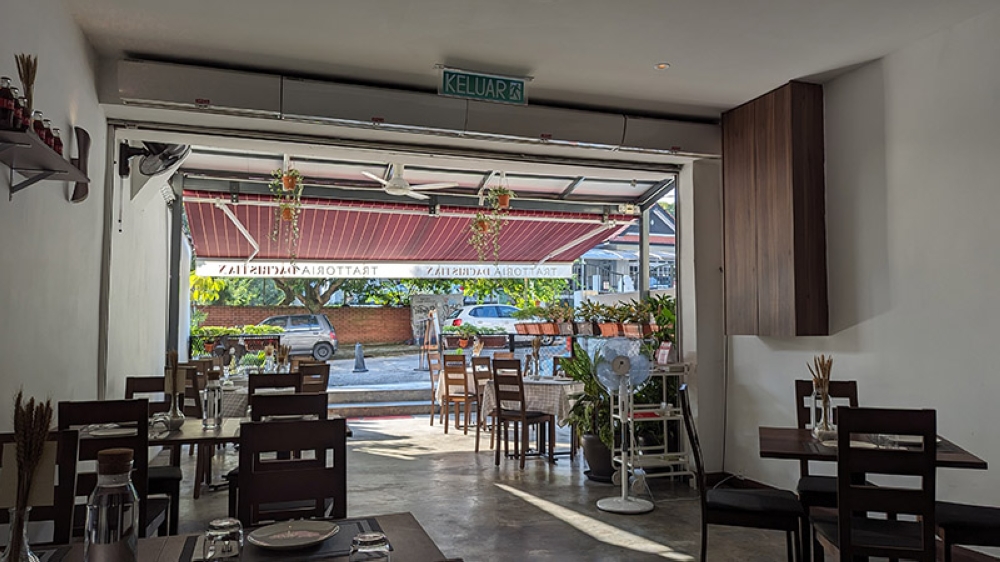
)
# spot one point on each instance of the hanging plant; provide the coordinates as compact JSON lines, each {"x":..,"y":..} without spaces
{"x":286,"y":186}
{"x":484,"y":235}
{"x":499,"y":197}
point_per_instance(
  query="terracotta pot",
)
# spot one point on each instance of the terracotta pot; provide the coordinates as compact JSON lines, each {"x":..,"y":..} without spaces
{"x":632,"y":330}
{"x":550,"y":329}
{"x":534,"y":328}
{"x":609,"y":329}
{"x":482,"y":226}
{"x":585,"y":328}
{"x":209,"y":347}
{"x":288,"y":182}
{"x":521,"y":328}
{"x":463,"y":342}
{"x":494,"y":341}
{"x":286,"y":214}
{"x":565,"y":328}
{"x":648,"y":329}
{"x":503,"y":201}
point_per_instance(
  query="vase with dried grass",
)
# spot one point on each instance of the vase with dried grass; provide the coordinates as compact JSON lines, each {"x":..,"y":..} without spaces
{"x":32,"y":422}
{"x":27,"y":69}
{"x":822,"y":411}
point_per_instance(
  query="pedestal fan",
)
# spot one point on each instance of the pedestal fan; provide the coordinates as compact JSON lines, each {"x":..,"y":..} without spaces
{"x":621,"y":368}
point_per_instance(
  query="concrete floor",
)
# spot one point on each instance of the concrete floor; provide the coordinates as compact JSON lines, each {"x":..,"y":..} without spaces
{"x":480,"y":512}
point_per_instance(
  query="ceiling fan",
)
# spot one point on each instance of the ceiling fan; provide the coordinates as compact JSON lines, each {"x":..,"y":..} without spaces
{"x":396,"y":185}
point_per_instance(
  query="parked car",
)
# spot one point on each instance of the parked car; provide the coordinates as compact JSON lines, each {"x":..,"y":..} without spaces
{"x":307,"y":334}
{"x":489,"y":316}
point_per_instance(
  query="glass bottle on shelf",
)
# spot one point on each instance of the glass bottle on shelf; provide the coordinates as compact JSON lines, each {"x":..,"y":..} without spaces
{"x":57,"y":144}
{"x":25,"y":114}
{"x":211,"y":408}
{"x":6,"y":104}
{"x":112,"y":528}
{"x":48,"y":132}
{"x":38,"y":125}
{"x":15,"y":121}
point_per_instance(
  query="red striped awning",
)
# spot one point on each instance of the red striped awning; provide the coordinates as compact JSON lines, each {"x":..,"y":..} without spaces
{"x":383,"y":231}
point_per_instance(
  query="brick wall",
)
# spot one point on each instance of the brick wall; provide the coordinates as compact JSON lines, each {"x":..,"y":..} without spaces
{"x":353,"y":324}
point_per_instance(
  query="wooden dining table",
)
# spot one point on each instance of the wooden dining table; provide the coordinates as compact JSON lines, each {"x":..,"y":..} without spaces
{"x":409,"y":541}
{"x":800,"y":444}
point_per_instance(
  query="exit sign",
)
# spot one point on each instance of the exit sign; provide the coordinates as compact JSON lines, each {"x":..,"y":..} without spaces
{"x":469,"y":85}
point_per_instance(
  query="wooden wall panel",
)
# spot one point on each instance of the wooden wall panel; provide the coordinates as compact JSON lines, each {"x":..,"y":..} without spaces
{"x":739,"y":216}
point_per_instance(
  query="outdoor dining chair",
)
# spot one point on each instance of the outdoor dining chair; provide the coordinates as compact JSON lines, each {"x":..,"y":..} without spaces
{"x":777,"y":510}
{"x":482,"y":373}
{"x":861,"y":528}
{"x":60,"y":513}
{"x":256,"y":382}
{"x":315,"y":377}
{"x":508,"y":388}
{"x":276,"y":489}
{"x":165,"y":480}
{"x":434,"y":369}
{"x":455,"y":391}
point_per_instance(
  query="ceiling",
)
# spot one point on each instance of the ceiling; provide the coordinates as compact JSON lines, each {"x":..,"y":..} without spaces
{"x":589,"y":53}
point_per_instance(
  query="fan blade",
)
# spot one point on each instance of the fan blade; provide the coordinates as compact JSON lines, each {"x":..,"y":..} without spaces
{"x":416,"y":195}
{"x":425,"y":186}
{"x":370,"y":175}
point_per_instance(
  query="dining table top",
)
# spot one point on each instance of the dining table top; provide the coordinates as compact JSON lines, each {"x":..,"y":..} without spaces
{"x":409,"y":542}
{"x":800,"y":444}
{"x":194,"y":433}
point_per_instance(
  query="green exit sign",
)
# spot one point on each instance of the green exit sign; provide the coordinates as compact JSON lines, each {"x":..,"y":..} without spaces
{"x":482,"y":87}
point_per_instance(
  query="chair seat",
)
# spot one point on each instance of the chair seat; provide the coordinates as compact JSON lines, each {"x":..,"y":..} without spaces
{"x":754,"y":501}
{"x":951,"y":516}
{"x":817,"y":491}
{"x":164,"y":474}
{"x":528,"y":414}
{"x":872,"y":532}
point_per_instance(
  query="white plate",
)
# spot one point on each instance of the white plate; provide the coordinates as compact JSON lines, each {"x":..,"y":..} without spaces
{"x":113,"y":432}
{"x":854,"y":444}
{"x":908,"y":439}
{"x":292,"y":535}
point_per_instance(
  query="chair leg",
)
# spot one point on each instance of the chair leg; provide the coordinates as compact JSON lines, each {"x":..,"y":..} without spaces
{"x":817,"y":549}
{"x":233,"y":490}
{"x":788,"y":547}
{"x":552,"y":441}
{"x":704,"y":540}
{"x":175,"y":508}
{"x":433,"y":400}
{"x":805,"y":527}
{"x":524,"y":443}
{"x":446,"y":409}
{"x":496,"y":429}
{"x":947,"y":547}
{"x":468,"y":415}
{"x":479,"y":422}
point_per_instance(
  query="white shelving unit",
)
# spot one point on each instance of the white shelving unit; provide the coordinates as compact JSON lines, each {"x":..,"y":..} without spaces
{"x":656,"y":461}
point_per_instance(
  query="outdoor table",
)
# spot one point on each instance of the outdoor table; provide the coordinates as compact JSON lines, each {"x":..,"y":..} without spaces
{"x":236,"y":398}
{"x":409,"y":542}
{"x":546,"y":395}
{"x":799,"y":444}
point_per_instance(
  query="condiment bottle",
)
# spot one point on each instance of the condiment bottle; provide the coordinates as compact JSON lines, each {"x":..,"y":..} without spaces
{"x":6,"y":104}
{"x":15,"y":121}
{"x":38,"y":125}
{"x":25,"y":114}
{"x":57,"y":144}
{"x":48,"y":132}
{"x":112,"y":530}
{"x":212,"y":402}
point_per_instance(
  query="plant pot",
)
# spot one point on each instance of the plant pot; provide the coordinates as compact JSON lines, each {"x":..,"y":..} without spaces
{"x":565,"y":328}
{"x":209,"y":347}
{"x":585,"y":328}
{"x":550,"y":329}
{"x":534,"y":328}
{"x":288,"y":182}
{"x":463,"y":342}
{"x":609,"y":329}
{"x":287,"y":214}
{"x":482,"y":226}
{"x":632,"y":331}
{"x":598,"y":458}
{"x":493,"y":341}
{"x":648,"y":329}
{"x":521,"y":328}
{"x":503,"y":201}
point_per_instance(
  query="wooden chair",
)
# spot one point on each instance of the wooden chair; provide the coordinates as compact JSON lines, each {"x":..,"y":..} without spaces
{"x":278,"y":489}
{"x":193,"y":387}
{"x":456,"y":391}
{"x":61,"y":510}
{"x":264,"y":406}
{"x":73,"y":415}
{"x":816,"y":490}
{"x":777,"y":510}
{"x":482,"y":373}
{"x":503,"y":355}
{"x":163,"y":480}
{"x":281,"y":380}
{"x":973,"y":525}
{"x":858,"y":531}
{"x":315,"y":377}
{"x":508,"y":388}
{"x":434,"y":366}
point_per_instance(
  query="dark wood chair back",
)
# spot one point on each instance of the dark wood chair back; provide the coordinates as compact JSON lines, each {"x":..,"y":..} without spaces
{"x":276,"y":489}
{"x":508,"y":386}
{"x":315,"y":377}
{"x":503,"y":355}
{"x":263,"y":406}
{"x":692,"y":435}
{"x":150,"y":388}
{"x":194,"y":385}
{"x":859,"y":500}
{"x":456,"y":383}
{"x":842,"y":393}
{"x":126,"y":413}
{"x":280,"y":380}
{"x":61,"y":510}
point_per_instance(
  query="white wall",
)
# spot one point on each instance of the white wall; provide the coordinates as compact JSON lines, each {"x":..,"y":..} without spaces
{"x":912,"y":195}
{"x":50,"y":248}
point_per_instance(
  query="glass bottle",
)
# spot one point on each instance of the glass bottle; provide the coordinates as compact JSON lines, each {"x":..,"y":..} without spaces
{"x":6,"y":104}
{"x":57,"y":144}
{"x":38,"y":124}
{"x":211,"y":406}
{"x":112,"y":528}
{"x":25,"y":114}
{"x":15,"y":120}
{"x":18,"y":549}
{"x":48,"y":132}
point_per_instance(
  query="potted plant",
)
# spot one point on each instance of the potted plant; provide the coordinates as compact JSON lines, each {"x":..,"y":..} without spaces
{"x":286,"y":186}
{"x":493,"y":337}
{"x":663,"y":309}
{"x":459,"y":336}
{"x":484,"y":235}
{"x":562,"y":315}
{"x":637,"y":317}
{"x":586,"y":318}
{"x":530,"y":315}
{"x":499,"y":197}
{"x":609,"y":320}
{"x":591,"y":414}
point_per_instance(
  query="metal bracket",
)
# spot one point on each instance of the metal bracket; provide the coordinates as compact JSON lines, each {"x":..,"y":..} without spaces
{"x":30,"y":180}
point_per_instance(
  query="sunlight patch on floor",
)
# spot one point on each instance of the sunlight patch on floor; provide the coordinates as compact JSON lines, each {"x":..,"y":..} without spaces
{"x":603,"y":532}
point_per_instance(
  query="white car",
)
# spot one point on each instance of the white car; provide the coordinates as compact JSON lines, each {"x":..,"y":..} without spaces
{"x":490,"y":316}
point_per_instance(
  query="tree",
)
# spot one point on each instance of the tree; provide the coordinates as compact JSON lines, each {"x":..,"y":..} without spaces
{"x":312,"y":293}
{"x":523,"y":292}
{"x":205,"y":290}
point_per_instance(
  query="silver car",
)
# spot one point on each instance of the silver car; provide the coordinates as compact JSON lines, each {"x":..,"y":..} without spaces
{"x":307,"y":334}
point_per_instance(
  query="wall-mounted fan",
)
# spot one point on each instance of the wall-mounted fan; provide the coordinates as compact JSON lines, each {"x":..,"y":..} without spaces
{"x":396,"y":185}
{"x":157,"y":157}
{"x":620,"y":368}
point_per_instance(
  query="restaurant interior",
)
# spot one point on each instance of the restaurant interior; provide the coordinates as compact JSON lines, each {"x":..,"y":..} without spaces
{"x":831,"y":169}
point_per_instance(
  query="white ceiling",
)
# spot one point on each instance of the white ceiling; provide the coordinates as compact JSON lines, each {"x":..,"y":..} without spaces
{"x":596,"y":53}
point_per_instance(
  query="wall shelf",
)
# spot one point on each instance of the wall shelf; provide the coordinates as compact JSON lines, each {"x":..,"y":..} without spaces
{"x":32,"y":159}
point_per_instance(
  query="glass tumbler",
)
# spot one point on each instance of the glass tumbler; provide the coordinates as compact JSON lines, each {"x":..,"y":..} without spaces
{"x":223,"y":540}
{"x":370,"y":547}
